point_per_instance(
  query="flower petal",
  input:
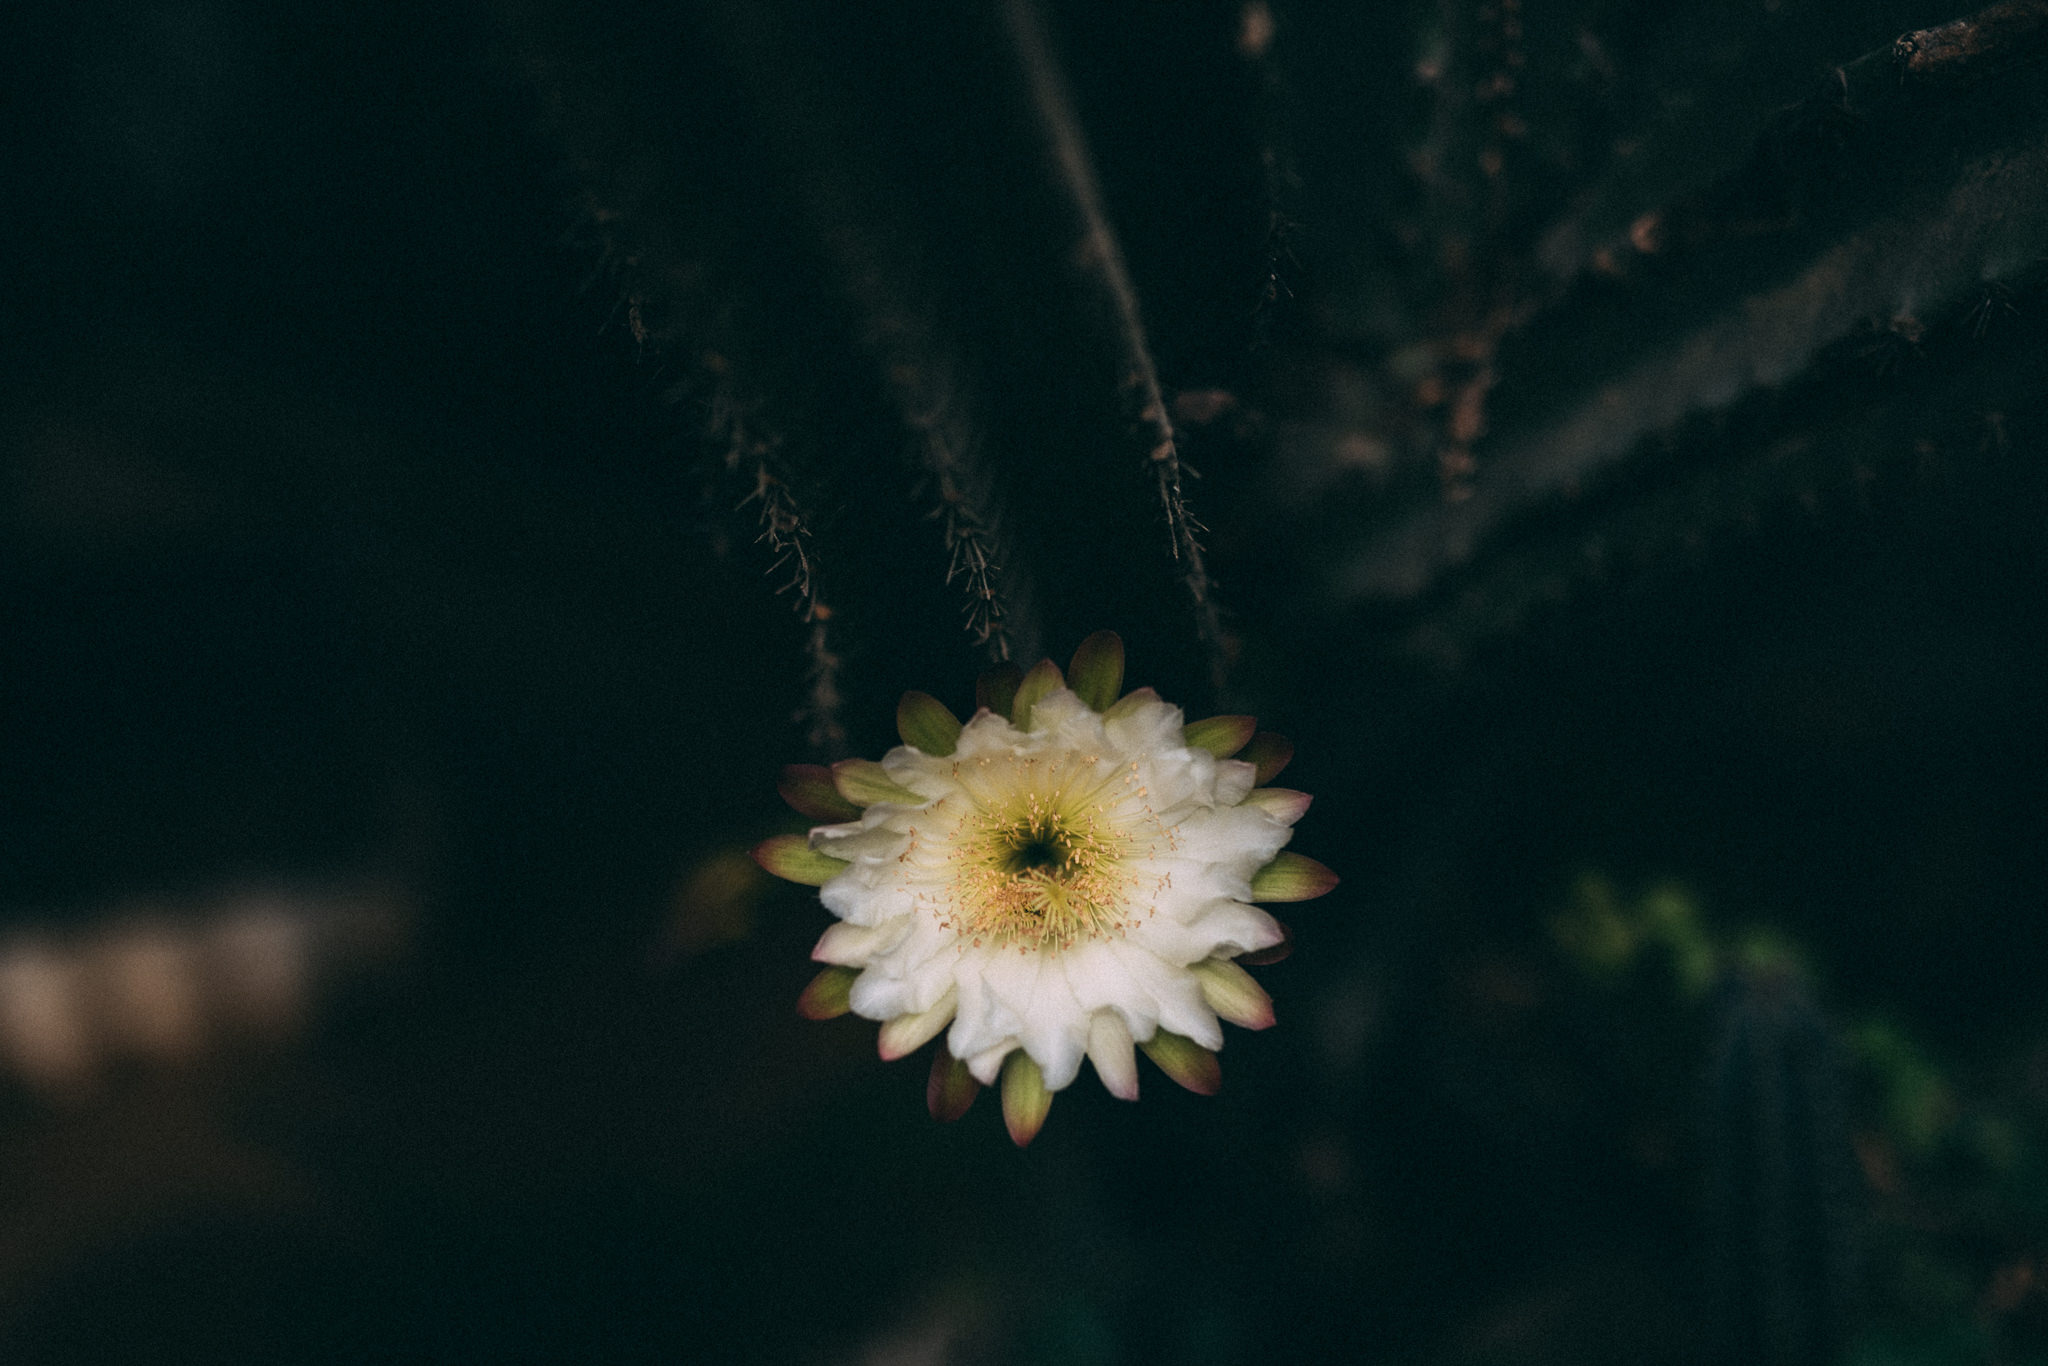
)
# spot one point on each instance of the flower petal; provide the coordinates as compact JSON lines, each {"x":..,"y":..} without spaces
{"x":865,"y":782}
{"x":1283,"y":804}
{"x":1268,"y":753}
{"x":878,"y":996}
{"x":1174,"y":1000}
{"x":1043,"y":680}
{"x":908,"y":1033}
{"x":986,"y":1064}
{"x":1234,"y":779}
{"x":996,"y":690}
{"x":1186,"y":1061}
{"x":1259,"y":958}
{"x":791,"y":858}
{"x":1130,"y":702}
{"x":1035,"y":1002}
{"x":853,"y":898}
{"x":1057,"y":1041}
{"x":952,"y":1087}
{"x":1231,"y":993}
{"x":867,"y":844}
{"x":1142,"y":726}
{"x":853,"y":945}
{"x":826,"y":997}
{"x":809,"y":791}
{"x":1292,"y":877}
{"x":1025,"y":1099}
{"x":924,"y":722}
{"x":1109,"y":1048}
{"x":1097,"y":671}
{"x":1236,"y":928}
{"x":1222,"y":736}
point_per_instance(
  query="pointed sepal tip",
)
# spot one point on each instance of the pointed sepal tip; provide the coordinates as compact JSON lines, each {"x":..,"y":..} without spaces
{"x":791,"y":858}
{"x":1097,"y":671}
{"x":865,"y":782}
{"x":810,"y":791}
{"x":1292,"y":877}
{"x":829,"y":995}
{"x":926,"y":723}
{"x":1186,"y":1061}
{"x":1025,"y":1099}
{"x":1222,"y":736}
{"x":1043,"y":679}
{"x":952,"y":1087}
{"x":1267,"y":753}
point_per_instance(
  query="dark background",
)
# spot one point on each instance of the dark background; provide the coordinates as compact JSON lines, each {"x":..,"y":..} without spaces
{"x":1620,"y":438}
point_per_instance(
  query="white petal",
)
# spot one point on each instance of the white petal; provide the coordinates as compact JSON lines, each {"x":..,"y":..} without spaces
{"x":1233,"y":780}
{"x":1235,"y":928}
{"x":854,"y":897}
{"x":1011,"y":976}
{"x":926,"y":982}
{"x":878,"y":996}
{"x":908,"y":1033}
{"x":1220,"y":927}
{"x":1109,"y":1048}
{"x":984,"y":1021}
{"x":1038,"y":1007}
{"x":1175,"y":994}
{"x":923,"y":945}
{"x":987,"y":1065}
{"x":1062,"y":721}
{"x":1240,"y":838}
{"x":854,"y":945}
{"x":928,"y":775}
{"x":881,"y":844}
{"x":987,"y":735}
{"x":1148,"y":728}
{"x":1098,"y":978}
{"x":1056,"y":1042}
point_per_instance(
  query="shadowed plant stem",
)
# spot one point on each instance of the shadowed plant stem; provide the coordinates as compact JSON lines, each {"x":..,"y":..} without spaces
{"x":1102,"y":260}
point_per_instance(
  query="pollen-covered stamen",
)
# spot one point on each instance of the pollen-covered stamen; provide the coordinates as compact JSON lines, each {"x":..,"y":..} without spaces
{"x":1044,"y":858}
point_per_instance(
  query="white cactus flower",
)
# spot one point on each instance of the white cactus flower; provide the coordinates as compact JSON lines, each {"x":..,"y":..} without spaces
{"x":1065,"y":876}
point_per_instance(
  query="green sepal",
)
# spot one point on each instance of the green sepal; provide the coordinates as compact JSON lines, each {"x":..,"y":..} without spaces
{"x":1025,"y":1099}
{"x":1291,"y":877}
{"x":809,"y":790}
{"x":1232,"y":994}
{"x":952,"y":1087}
{"x":791,"y":858}
{"x":1186,"y":1061}
{"x":829,"y":994}
{"x":865,"y":782}
{"x":1097,"y":671}
{"x":925,"y":722}
{"x":1222,"y":736}
{"x":996,"y":690}
{"x":1268,"y":753}
{"x":1043,"y":679}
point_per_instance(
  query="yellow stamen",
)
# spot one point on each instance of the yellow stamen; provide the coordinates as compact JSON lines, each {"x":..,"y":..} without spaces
{"x":1041,"y":856}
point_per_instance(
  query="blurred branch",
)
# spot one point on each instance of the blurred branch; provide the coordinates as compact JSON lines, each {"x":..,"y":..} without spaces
{"x":1880,"y":202}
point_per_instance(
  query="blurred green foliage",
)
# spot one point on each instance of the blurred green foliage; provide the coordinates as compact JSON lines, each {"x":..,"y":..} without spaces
{"x":1951,"y":1147}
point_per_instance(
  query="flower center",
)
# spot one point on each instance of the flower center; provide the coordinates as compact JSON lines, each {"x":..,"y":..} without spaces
{"x":1042,"y":855}
{"x":1039,"y":850}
